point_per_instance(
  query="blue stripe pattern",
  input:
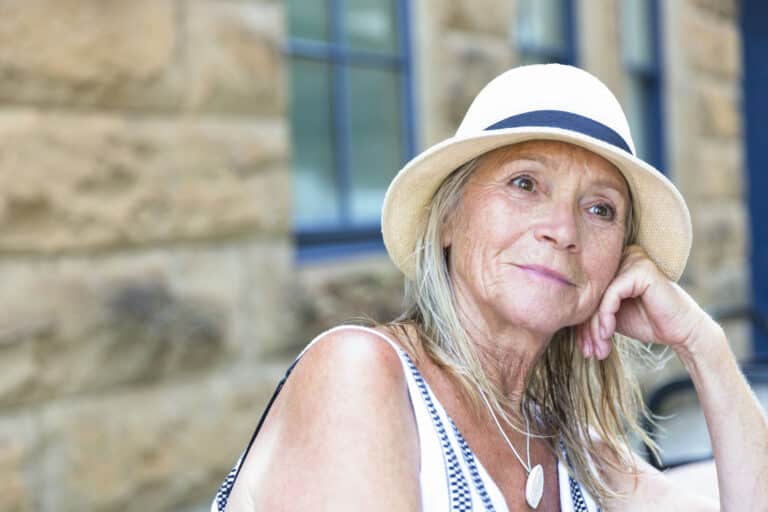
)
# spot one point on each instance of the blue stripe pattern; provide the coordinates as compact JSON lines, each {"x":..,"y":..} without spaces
{"x":458,"y":488}
{"x":469,"y":458}
{"x":566,"y":121}
{"x":577,"y":498}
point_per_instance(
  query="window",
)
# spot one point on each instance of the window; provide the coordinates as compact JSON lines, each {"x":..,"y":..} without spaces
{"x":351,"y":125}
{"x":640,"y":58}
{"x":545,"y":31}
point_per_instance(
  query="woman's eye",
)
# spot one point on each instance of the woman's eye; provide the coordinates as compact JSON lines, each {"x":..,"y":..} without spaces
{"x":603,"y":210}
{"x":524,"y":183}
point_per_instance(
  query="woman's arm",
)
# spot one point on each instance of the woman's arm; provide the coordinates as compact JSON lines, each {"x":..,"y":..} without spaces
{"x":650,"y":490}
{"x":341,"y":435}
{"x":737,"y":424}
{"x":644,"y":304}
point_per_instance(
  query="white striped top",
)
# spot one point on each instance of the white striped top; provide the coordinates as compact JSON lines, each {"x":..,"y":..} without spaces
{"x":451,"y":476}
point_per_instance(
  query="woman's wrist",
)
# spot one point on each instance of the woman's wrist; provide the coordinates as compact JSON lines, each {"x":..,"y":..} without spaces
{"x":707,"y":347}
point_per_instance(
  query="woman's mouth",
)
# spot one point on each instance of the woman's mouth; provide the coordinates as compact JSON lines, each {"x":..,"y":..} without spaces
{"x":549,"y":274}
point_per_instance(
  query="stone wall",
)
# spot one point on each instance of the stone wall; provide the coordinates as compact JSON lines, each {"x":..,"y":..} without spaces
{"x":705,"y":149}
{"x":145,"y":248}
{"x":152,"y":299}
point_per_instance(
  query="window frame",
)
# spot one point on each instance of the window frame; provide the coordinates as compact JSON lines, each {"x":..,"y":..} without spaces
{"x":569,"y":54}
{"x":651,"y":79}
{"x":330,"y":239}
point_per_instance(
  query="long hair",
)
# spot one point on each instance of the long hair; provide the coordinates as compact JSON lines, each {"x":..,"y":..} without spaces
{"x":572,"y":399}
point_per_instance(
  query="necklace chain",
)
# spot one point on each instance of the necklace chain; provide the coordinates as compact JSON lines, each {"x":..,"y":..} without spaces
{"x":527,"y":466}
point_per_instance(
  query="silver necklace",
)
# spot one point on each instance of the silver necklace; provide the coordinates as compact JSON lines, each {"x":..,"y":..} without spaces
{"x":534,"y":484}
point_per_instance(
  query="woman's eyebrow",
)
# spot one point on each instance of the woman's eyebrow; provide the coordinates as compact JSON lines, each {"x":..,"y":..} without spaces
{"x":620,"y":188}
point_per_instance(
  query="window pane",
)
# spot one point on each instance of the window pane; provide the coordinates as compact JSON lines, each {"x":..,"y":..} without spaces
{"x":315,"y":196}
{"x":636,"y":35}
{"x":540,"y":25}
{"x":637,"y":115}
{"x":371,"y":25}
{"x":308,"y":19}
{"x":376,"y":152}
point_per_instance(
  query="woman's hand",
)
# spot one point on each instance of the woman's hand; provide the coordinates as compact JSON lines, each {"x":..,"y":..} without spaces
{"x":644,"y":304}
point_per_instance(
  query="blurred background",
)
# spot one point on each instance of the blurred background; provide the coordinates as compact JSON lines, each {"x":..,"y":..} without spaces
{"x":190,"y":191}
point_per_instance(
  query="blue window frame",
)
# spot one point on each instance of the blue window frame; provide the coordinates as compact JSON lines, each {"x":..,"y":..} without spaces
{"x":546,"y":31}
{"x":352,"y":118}
{"x":755,"y":106}
{"x":641,"y":58}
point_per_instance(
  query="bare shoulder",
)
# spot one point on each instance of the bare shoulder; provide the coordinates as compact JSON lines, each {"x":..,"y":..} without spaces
{"x":341,"y":432}
{"x":348,"y":353}
{"x":651,"y":490}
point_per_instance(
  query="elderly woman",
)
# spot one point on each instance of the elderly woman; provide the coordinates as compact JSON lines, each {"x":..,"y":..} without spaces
{"x":537,"y":249}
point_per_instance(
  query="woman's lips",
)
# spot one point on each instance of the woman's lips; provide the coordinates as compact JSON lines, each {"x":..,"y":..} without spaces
{"x":546,"y":273}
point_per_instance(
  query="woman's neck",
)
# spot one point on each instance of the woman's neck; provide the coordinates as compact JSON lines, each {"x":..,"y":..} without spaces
{"x":507,"y":353}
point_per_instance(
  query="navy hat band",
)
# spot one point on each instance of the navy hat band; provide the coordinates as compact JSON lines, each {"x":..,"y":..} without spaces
{"x":566,"y":121}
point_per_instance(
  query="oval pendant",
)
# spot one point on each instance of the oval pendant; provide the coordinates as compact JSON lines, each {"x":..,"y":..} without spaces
{"x":534,"y":486}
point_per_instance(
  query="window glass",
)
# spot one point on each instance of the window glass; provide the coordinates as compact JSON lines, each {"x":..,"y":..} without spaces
{"x":371,"y":25}
{"x":636,"y":36}
{"x":540,"y":26}
{"x":641,"y":78}
{"x":375,"y":138}
{"x":350,"y":126}
{"x":636,"y":106}
{"x":315,"y":194}
{"x":308,"y":19}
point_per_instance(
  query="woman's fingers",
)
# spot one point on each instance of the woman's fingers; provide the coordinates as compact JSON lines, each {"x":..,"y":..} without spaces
{"x":600,"y":347}
{"x":583,"y":339}
{"x":589,"y":341}
{"x":627,"y":285}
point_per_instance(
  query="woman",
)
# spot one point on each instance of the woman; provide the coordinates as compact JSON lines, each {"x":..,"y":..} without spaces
{"x":536,"y":249}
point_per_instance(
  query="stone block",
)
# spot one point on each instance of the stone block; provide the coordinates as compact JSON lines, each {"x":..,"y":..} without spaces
{"x":472,"y":60}
{"x":486,"y":17}
{"x":73,"y":183}
{"x":718,"y":110}
{"x":713,"y":45}
{"x":79,"y":324}
{"x":722,"y":8}
{"x":719,"y":237}
{"x":153,"y":448}
{"x":331,"y":294}
{"x":718,"y":170}
{"x":110,"y":53}
{"x":20,"y":445}
{"x":235,"y":58}
{"x":730,"y":285}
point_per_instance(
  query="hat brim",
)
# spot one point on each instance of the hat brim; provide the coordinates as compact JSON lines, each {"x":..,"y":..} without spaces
{"x":663,"y":219}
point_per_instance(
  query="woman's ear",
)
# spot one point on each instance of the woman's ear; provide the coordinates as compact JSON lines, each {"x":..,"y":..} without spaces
{"x":446,"y":235}
{"x":447,"y":229}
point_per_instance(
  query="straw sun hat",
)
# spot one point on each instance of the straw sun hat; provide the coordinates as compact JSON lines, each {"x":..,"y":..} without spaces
{"x":550,"y":102}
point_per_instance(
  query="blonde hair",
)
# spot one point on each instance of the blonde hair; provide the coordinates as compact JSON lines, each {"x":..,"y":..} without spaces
{"x":571,"y":398}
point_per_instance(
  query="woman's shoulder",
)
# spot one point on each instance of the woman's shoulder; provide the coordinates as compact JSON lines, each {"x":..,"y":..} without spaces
{"x":353,"y":349}
{"x":342,"y":417}
{"x":346,"y":368}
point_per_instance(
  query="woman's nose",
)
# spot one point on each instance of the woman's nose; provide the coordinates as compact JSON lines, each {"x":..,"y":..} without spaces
{"x":559,"y":227}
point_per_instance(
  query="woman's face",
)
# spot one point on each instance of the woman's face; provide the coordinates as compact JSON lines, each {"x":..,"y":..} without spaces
{"x":537,"y":235}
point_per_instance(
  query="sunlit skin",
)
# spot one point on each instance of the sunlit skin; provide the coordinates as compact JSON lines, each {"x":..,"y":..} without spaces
{"x":527,"y":210}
